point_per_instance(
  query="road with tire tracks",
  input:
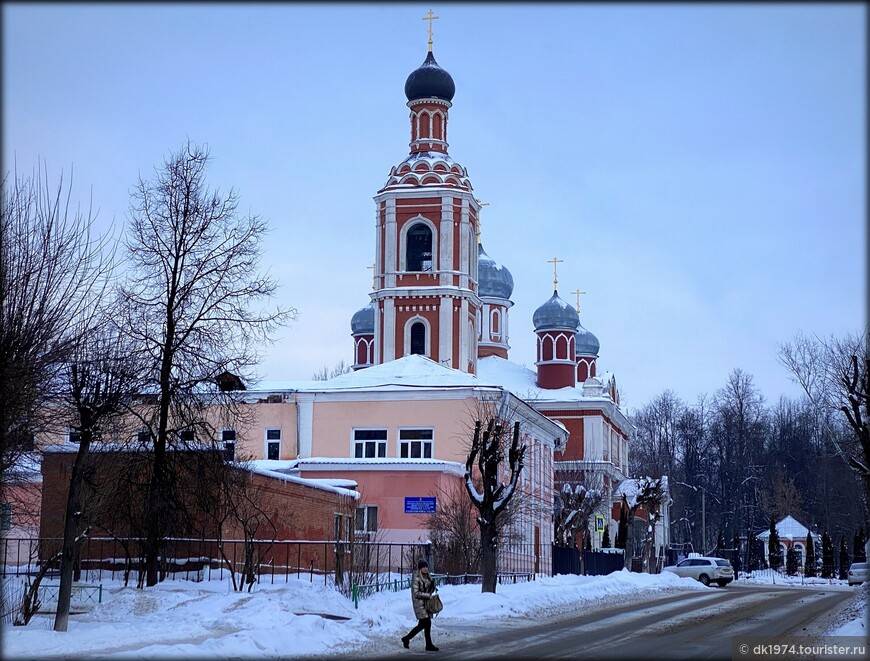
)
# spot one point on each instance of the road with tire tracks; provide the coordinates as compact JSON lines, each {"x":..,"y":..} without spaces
{"x":682,"y":625}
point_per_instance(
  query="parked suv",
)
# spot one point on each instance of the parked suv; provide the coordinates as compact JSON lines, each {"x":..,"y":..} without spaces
{"x":706,"y":570}
{"x":858,"y":573}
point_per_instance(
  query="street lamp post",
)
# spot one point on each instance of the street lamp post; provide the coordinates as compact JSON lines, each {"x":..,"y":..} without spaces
{"x":703,"y":513}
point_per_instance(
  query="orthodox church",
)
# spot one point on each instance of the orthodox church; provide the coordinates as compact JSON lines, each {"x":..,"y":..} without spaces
{"x":431,"y":351}
{"x":438,"y":294}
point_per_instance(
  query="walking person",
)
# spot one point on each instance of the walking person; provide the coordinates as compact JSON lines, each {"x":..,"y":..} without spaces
{"x":422,"y":587}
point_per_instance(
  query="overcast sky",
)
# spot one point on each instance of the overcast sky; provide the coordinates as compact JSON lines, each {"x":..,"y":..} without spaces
{"x":701,"y":169}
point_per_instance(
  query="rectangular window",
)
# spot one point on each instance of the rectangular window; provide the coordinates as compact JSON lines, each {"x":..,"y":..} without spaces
{"x":186,"y":436}
{"x":273,"y":443}
{"x":366,"y":519}
{"x":415,"y":443}
{"x":74,"y":437}
{"x":143,"y":438}
{"x":369,"y":443}
{"x":5,"y":516}
{"x":228,"y":437}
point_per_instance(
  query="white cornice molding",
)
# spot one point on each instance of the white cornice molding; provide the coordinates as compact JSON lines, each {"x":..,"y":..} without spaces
{"x":326,"y":464}
{"x":493,"y":300}
{"x":435,"y":291}
{"x":432,"y":191}
{"x":431,"y":100}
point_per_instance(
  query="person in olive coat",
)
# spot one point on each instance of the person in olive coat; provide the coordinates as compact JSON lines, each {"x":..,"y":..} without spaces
{"x":422,"y":587}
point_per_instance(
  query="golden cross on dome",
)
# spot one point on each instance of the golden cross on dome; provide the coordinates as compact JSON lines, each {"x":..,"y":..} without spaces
{"x":431,"y":17}
{"x":577,"y":293}
{"x":555,"y":261}
{"x":374,"y":285}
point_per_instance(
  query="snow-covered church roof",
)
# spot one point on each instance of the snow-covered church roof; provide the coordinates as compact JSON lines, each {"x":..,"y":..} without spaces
{"x":522,"y":382}
{"x":412,"y":371}
{"x":789,"y":528}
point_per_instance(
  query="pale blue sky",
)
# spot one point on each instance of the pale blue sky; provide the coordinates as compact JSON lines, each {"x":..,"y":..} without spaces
{"x":701,"y":169}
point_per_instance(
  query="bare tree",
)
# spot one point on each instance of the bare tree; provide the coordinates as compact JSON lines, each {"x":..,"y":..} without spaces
{"x":324,"y":373}
{"x":235,"y":501}
{"x":30,"y":602}
{"x":739,"y":429}
{"x":52,"y":270}
{"x":495,"y":453}
{"x":655,"y":443}
{"x":454,"y":533}
{"x":648,"y":494}
{"x":578,"y":495}
{"x":101,"y":381}
{"x":835,"y":375}
{"x":191,"y":307}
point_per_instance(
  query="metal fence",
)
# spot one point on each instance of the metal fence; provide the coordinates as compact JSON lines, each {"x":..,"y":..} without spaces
{"x":208,"y":559}
{"x":393,"y":584}
{"x":591,"y":563}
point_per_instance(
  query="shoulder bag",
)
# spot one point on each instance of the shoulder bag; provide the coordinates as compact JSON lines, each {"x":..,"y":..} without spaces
{"x":434,"y":605}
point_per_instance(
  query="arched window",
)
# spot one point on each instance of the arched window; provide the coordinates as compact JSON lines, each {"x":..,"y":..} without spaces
{"x":418,"y":338}
{"x":798,"y":551}
{"x":419,"y":252}
{"x":495,"y":325}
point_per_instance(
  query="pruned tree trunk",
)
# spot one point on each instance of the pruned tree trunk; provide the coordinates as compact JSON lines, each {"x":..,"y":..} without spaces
{"x":70,"y":540}
{"x":488,"y":558}
{"x":487,"y":450}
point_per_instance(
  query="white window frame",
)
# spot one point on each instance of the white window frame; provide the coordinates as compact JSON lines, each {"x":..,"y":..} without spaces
{"x":369,"y":522}
{"x":268,"y":441}
{"x":423,"y":443}
{"x":495,"y":321}
{"x":379,"y":444}
{"x":407,"y":333}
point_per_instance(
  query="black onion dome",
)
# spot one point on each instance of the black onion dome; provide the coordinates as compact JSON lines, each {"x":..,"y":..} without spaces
{"x":585,"y":343}
{"x":555,"y":314}
{"x":493,"y":279}
{"x":429,"y":81}
{"x":363,"y":321}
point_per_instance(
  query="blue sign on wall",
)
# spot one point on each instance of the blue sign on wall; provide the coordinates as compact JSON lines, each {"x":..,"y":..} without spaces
{"x":420,"y":505}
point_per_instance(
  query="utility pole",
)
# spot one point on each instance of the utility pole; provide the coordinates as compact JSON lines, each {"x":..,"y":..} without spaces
{"x":703,"y":521}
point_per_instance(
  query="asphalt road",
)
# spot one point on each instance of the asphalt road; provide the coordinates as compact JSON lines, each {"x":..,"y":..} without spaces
{"x":686,"y":625}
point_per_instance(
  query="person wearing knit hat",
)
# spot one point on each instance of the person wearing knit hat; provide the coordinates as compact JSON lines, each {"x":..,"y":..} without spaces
{"x":422,"y":587}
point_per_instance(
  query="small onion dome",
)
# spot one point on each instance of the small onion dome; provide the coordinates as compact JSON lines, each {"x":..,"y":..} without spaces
{"x":363,"y":321}
{"x":429,"y":81}
{"x":493,"y":279}
{"x":555,"y":314}
{"x":585,"y":343}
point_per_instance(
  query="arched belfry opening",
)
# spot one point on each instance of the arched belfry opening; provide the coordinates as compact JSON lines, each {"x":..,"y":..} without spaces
{"x":419,"y":248}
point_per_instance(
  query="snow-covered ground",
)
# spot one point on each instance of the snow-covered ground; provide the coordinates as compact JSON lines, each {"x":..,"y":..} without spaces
{"x":181,"y":619}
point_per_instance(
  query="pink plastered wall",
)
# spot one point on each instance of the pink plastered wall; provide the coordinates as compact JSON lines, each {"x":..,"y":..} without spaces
{"x":451,"y":421}
{"x":387,"y":489}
